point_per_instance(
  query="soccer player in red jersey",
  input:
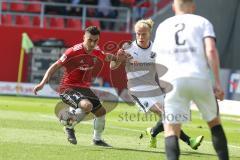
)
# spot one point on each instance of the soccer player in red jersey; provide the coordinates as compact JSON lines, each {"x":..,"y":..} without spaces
{"x":79,"y":62}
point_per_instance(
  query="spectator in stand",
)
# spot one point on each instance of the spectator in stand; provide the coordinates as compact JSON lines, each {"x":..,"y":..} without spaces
{"x":89,"y":2}
{"x":105,"y":12}
{"x":59,"y":10}
{"x":140,"y":8}
{"x":91,"y":12}
{"x":77,"y":11}
{"x":74,"y":10}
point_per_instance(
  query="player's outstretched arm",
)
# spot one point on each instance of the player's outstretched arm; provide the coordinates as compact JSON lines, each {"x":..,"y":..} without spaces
{"x":51,"y":70}
{"x":213,"y":61}
{"x":121,"y":57}
{"x":115,"y":63}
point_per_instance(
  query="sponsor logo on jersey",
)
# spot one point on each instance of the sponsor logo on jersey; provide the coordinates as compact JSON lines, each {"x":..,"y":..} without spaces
{"x":153,"y":55}
{"x":146,"y":104}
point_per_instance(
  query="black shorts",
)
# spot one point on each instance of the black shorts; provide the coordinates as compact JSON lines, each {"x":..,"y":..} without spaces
{"x":73,"y":96}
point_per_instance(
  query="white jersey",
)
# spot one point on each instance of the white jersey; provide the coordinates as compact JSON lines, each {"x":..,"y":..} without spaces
{"x":141,"y":75}
{"x":180,"y":47}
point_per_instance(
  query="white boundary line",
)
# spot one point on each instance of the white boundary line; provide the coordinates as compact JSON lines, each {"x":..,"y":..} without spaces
{"x":136,"y":130}
{"x":229,"y":145}
{"x":133,"y":130}
{"x":141,"y":131}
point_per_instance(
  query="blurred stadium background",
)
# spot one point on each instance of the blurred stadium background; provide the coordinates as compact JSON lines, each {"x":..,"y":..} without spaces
{"x":28,"y":128}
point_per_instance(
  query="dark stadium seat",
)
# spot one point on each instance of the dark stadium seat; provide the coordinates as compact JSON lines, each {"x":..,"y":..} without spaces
{"x":17,"y":7}
{"x":23,"y":20}
{"x":160,"y":5}
{"x":74,"y":23}
{"x":7,"y":19}
{"x":128,"y":2}
{"x":56,"y":22}
{"x":34,"y":8}
{"x":36,"y":21}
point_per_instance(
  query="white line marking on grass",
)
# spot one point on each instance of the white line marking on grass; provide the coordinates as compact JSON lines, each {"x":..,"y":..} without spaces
{"x":225,"y":117}
{"x":127,"y":129}
{"x":48,"y":116}
{"x":229,"y":145}
{"x":133,"y":130}
{"x":114,"y":127}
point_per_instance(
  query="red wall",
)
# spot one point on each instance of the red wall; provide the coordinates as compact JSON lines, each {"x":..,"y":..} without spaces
{"x":10,"y":45}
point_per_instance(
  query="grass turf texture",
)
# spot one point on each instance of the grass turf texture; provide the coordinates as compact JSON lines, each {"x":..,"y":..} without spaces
{"x":29,"y":130}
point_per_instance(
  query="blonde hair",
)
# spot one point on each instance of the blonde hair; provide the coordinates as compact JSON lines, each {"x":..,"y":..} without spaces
{"x":148,"y":23}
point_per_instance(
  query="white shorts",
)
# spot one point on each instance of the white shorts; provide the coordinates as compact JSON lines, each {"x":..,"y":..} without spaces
{"x":145,"y":103}
{"x":185,"y":90}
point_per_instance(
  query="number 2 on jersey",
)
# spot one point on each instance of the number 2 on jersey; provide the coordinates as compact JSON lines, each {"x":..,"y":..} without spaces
{"x":180,"y":27}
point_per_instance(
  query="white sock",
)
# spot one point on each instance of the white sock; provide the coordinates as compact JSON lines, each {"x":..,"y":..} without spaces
{"x":99,"y":124}
{"x":80,"y":114}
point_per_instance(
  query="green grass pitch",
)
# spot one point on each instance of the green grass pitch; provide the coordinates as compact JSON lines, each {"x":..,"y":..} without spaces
{"x":29,"y":130}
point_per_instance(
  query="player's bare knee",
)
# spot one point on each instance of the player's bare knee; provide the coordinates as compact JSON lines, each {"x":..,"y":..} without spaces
{"x":100,"y":112}
{"x":157,"y":112}
{"x":104,"y":111}
{"x":86,"y":105}
{"x":156,"y":109}
{"x":172,"y":130}
{"x":216,"y":121}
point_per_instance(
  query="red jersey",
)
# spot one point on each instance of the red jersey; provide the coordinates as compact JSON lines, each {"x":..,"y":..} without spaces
{"x":79,"y":66}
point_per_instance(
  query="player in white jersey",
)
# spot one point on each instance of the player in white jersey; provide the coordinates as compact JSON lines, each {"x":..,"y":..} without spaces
{"x":145,"y":89}
{"x":185,"y":44}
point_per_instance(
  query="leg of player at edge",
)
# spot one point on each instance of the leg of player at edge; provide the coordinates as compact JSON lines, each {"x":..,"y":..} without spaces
{"x":194,"y":143}
{"x":84,"y":107}
{"x":152,"y":133}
